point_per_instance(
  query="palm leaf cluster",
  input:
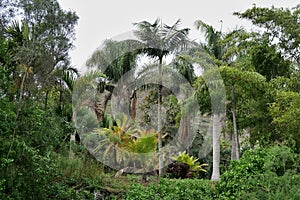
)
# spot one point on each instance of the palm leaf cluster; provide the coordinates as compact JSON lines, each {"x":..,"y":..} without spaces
{"x":115,"y":58}
{"x":160,"y":39}
{"x":192,"y":162}
{"x":123,"y":142}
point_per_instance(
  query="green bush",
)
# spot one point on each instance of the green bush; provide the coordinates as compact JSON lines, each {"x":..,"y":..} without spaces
{"x":171,"y":189}
{"x":75,"y":178}
{"x":32,"y":165}
{"x":280,"y":159}
{"x":269,"y":186}
{"x":255,"y":166}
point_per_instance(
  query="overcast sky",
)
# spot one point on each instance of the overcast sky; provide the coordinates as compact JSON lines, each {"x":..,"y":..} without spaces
{"x":104,"y":19}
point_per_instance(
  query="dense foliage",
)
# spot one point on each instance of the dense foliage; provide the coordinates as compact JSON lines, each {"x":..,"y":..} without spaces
{"x":256,"y":145}
{"x":262,"y":170}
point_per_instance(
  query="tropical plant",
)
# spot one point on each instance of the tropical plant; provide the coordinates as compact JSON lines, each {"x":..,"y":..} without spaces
{"x":193,"y":163}
{"x":143,"y":144}
{"x":143,"y":141}
{"x":115,"y":139}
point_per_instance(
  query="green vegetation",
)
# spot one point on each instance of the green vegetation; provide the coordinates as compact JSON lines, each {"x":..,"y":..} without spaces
{"x":172,"y":189}
{"x":255,"y":137}
{"x":261,"y":173}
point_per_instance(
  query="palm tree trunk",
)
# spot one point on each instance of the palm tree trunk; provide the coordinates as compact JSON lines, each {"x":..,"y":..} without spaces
{"x":133,"y":100}
{"x":159,"y":126}
{"x":217,"y":127}
{"x":235,"y":153}
{"x":184,"y":129}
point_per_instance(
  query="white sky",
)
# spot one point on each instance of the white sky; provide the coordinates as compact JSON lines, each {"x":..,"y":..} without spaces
{"x":100,"y":20}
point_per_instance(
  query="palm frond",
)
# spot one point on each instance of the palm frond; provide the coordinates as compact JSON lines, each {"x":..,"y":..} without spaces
{"x":160,"y":40}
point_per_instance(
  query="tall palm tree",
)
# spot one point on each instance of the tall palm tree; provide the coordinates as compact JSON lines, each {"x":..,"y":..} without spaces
{"x":214,"y":48}
{"x":159,"y":41}
{"x":210,"y":91}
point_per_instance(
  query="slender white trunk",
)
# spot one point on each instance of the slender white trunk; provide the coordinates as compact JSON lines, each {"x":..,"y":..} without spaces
{"x":217,"y":128}
{"x":159,"y":126}
{"x":235,"y":152}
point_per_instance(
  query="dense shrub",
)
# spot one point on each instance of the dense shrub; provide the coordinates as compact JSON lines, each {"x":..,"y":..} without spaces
{"x":75,"y":178}
{"x":32,"y":165}
{"x":171,"y":189}
{"x":280,"y":159}
{"x":269,"y":186}
{"x":255,"y":167}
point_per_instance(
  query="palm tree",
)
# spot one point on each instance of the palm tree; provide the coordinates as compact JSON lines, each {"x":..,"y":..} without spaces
{"x":214,"y":48}
{"x":64,"y":79}
{"x":114,"y":60}
{"x":212,"y":37}
{"x":83,"y":96}
{"x":159,"y":41}
{"x":210,"y":91}
{"x":19,"y":40}
{"x":185,"y":69}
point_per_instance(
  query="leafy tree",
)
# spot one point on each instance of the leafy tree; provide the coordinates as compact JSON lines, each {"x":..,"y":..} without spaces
{"x":53,"y":28}
{"x":243,"y":88}
{"x":39,"y":45}
{"x":268,"y":62}
{"x":280,"y":25}
{"x":271,"y":50}
{"x":285,"y":114}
